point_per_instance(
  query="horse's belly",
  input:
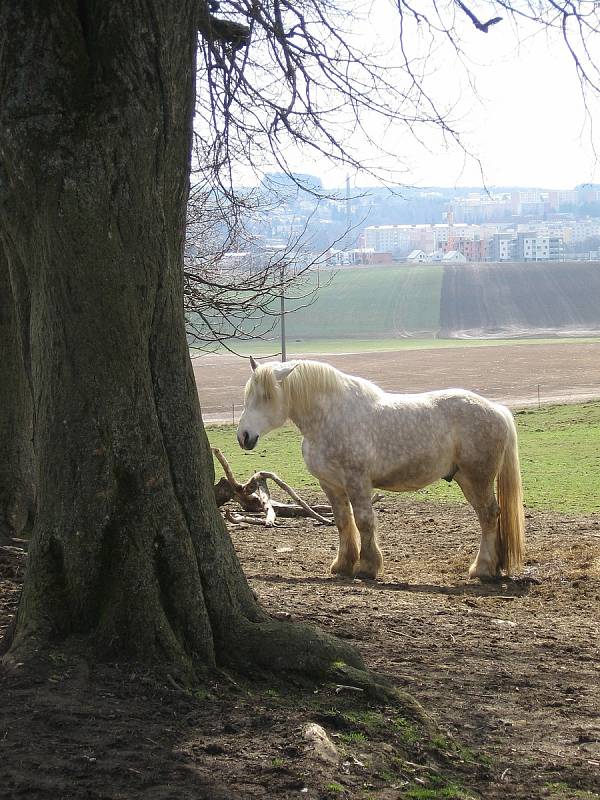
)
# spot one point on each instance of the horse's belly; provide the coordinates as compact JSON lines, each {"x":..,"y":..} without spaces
{"x":409,"y":478}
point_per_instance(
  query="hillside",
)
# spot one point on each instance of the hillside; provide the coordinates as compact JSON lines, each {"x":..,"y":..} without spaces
{"x":372,"y":302}
{"x":520,"y":300}
{"x":454,"y":301}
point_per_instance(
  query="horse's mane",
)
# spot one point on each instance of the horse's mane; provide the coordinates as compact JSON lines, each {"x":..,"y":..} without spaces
{"x":307,"y":379}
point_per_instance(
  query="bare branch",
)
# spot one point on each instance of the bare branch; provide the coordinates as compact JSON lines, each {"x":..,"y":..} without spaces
{"x":481,"y":26}
{"x":292,"y":493}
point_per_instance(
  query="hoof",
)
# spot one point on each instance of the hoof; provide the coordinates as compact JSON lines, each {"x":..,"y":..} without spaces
{"x":364,"y":575}
{"x":370,"y":567}
{"x":484,"y":574}
{"x":344,"y":570}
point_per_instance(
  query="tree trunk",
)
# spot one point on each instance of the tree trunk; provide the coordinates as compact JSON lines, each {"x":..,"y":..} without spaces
{"x":16,"y":454}
{"x":129,"y":552}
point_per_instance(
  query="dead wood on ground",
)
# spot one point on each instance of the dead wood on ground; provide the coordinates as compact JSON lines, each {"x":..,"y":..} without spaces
{"x":255,"y":498}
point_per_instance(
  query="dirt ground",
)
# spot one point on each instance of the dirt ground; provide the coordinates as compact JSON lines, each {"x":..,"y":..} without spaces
{"x":511,"y":670}
{"x":507,"y":373}
{"x":509,"y":300}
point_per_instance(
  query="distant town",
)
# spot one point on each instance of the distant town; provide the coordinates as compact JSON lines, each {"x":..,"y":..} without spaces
{"x":540,"y":229}
{"x":376,"y":226}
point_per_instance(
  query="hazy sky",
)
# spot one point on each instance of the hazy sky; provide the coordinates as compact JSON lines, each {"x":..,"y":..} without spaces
{"x":526,"y":120}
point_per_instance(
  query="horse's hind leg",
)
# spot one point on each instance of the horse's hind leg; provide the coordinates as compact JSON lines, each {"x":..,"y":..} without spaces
{"x":348,"y":552}
{"x":480,"y":494}
{"x":371,"y":559}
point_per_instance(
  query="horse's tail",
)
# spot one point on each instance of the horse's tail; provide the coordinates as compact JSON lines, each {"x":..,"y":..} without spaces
{"x":511,"y":523}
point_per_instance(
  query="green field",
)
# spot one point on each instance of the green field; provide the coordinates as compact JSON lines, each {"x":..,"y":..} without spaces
{"x":364,"y":309}
{"x":379,"y":302}
{"x":559,"y":447}
{"x":384,"y":303}
{"x":328,"y":346}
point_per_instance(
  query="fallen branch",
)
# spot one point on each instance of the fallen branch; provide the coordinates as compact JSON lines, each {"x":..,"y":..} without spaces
{"x":262,"y":476}
{"x":254,"y":497}
{"x":231,"y":516}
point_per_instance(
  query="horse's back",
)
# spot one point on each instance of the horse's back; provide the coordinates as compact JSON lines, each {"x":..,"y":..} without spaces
{"x":447,"y":403}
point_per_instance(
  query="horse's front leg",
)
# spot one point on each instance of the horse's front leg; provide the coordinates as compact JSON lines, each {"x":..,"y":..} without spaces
{"x":346,"y":561}
{"x":371,"y":559}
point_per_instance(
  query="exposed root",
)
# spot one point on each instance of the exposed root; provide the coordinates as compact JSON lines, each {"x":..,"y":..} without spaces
{"x":309,"y":512}
{"x":278,"y":646}
{"x":381,"y":690}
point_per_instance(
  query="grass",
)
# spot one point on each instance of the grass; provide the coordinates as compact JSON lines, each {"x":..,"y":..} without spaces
{"x":321,"y":346}
{"x":385,"y":302}
{"x":364,"y":310}
{"x":379,"y":302}
{"x":407,"y":730}
{"x":559,"y":447}
{"x":353,"y":736}
{"x":451,"y":791}
{"x":560,"y":457}
{"x":562,"y":791}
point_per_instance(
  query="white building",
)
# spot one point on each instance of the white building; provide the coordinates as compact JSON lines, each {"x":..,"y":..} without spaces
{"x":416,"y":257}
{"x":455,"y":257}
{"x":532,"y":246}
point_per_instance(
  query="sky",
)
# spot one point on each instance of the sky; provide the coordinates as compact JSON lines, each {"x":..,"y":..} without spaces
{"x":525,"y":120}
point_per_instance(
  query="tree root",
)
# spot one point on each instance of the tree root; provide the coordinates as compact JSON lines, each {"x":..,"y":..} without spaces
{"x":381,"y":690}
{"x":300,"y":649}
{"x":277,"y":646}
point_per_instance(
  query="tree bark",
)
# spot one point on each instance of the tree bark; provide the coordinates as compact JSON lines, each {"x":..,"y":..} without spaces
{"x":16,"y":454}
{"x":129,"y":553}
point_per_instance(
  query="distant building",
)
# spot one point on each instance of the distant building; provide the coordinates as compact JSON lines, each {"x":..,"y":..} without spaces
{"x":416,"y":257}
{"x":501,"y":247}
{"x":401,"y":240}
{"x":558,"y":199}
{"x":436,"y":255}
{"x":455,"y":257}
{"x":359,"y":256}
{"x":583,"y":229}
{"x":472,"y":248}
{"x":533,"y":247}
{"x":531,"y":202}
{"x":476,"y":207}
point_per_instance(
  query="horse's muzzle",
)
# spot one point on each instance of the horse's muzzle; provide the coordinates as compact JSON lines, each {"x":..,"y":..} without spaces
{"x":246,"y":441}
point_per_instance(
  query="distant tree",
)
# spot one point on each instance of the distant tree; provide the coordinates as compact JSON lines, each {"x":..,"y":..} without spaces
{"x":590,"y":209}
{"x":233,"y":281}
{"x":129,"y":555}
{"x":335,"y":86}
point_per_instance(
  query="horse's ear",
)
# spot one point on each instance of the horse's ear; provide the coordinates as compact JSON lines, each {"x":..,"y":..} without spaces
{"x":253,"y":364}
{"x":282,"y":372}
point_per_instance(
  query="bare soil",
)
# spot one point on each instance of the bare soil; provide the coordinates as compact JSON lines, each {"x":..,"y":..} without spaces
{"x":509,"y":374}
{"x":511,"y":300}
{"x":511,"y":670}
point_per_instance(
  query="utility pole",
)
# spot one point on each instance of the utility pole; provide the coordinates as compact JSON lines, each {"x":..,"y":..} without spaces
{"x":282,"y":314}
{"x":348,"y":208}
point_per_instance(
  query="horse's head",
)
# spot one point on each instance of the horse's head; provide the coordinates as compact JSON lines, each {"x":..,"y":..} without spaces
{"x":265,"y":406}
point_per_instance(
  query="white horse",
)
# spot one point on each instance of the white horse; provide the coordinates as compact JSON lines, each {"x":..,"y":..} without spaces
{"x":357,"y":437}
